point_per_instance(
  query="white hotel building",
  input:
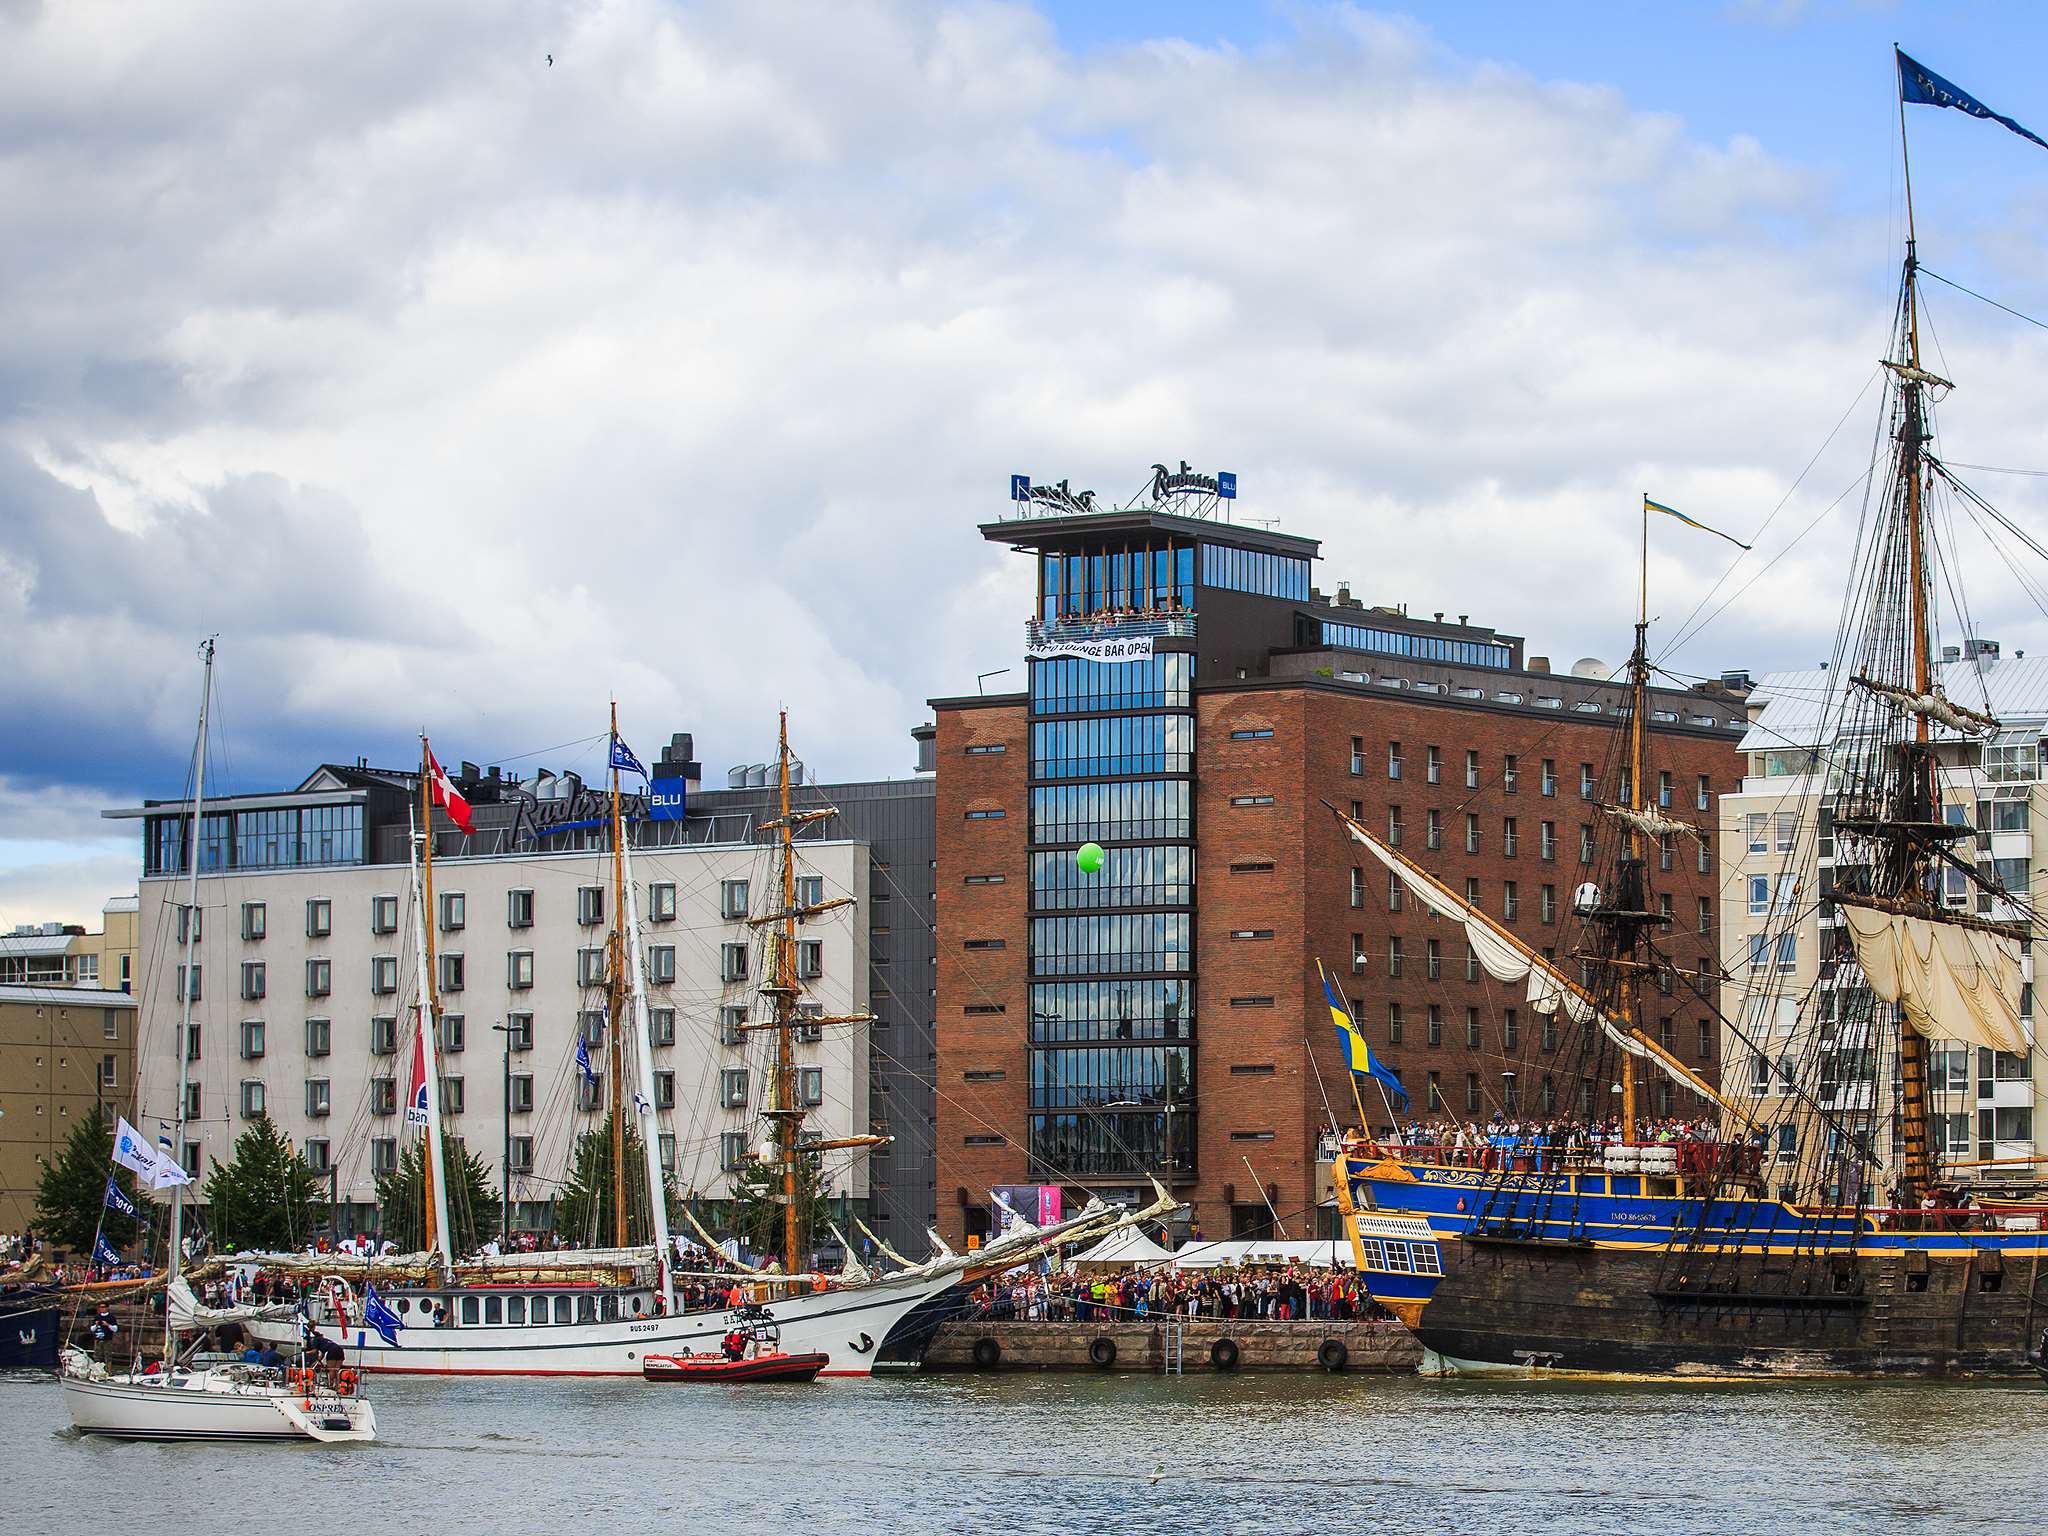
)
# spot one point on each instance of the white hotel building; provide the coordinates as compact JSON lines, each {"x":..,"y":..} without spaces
{"x":305,"y":963}
{"x":1779,"y":857}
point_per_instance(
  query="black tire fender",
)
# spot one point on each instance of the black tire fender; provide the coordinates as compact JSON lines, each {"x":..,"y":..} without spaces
{"x":988,"y":1353}
{"x":1332,"y":1355}
{"x":1223,"y":1354}
{"x":1102,"y":1352}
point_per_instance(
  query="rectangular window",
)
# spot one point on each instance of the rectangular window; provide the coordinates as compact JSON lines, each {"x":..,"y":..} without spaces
{"x":1396,"y":892}
{"x":590,"y":970}
{"x":383,"y":914}
{"x":810,"y":1086}
{"x":1549,"y":777}
{"x":384,"y":1154}
{"x":451,"y":1095}
{"x":319,"y":1155}
{"x":661,"y":964}
{"x":1357,"y":886}
{"x":1434,"y":764}
{"x":319,"y":918}
{"x":1703,"y":795}
{"x":990,"y":813}
{"x":1393,"y":759}
{"x":664,"y":1090}
{"x":1510,"y":774}
{"x":987,"y":749}
{"x":732,"y":962}
{"x":1394,"y":825}
{"x":1586,"y":844}
{"x":384,"y":1035}
{"x":1433,"y":828}
{"x":1510,"y":1032}
{"x":519,"y":909}
{"x":319,"y":978}
{"x":1549,"y":904}
{"x":1664,"y":850}
{"x":1471,"y":770}
{"x":730,"y":1017}
{"x":1358,"y":954}
{"x":1394,"y":1023}
{"x":1664,"y":790}
{"x":254,"y":921}
{"x":1586,"y":781}
{"x":454,"y":911}
{"x":1706,"y":1041}
{"x":519,"y":1031}
{"x":1394,"y":956}
{"x":522,"y":1093}
{"x":732,"y":1087}
{"x":1759,"y":895}
{"x":192,"y":1101}
{"x":661,"y":1026}
{"x":319,"y":1036}
{"x":1706,"y":914}
{"x":1472,"y":890}
{"x":732,"y":1150}
{"x":252,"y":1039}
{"x":1358,"y":754}
{"x":317,"y":1098}
{"x":1436,"y":1025}
{"x":1510,"y":837}
{"x":519,"y":969}
{"x":1472,"y":1035}
{"x":661,"y":902}
{"x":252,"y":1098}
{"x":589,"y":905}
{"x":383,"y":974}
{"x":1245,"y":800}
{"x":1433,"y":959}
{"x":1787,"y":829}
{"x":452,"y":972}
{"x":590,"y":1024}
{"x":1471,"y":831}
{"x":254,"y":980}
{"x":732,"y":899}
{"x":454,"y":1035}
{"x":1472,"y":1104}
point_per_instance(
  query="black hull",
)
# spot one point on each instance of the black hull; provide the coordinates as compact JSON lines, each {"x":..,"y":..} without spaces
{"x":29,"y":1339}
{"x":1605,"y":1311}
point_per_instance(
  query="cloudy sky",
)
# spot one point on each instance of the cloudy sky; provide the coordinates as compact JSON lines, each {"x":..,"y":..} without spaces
{"x":455,"y":388}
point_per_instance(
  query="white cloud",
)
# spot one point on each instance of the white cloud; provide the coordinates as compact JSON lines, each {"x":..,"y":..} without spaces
{"x":454,"y":388}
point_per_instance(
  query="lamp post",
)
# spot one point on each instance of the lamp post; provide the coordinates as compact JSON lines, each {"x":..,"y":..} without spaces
{"x":505,"y":1153}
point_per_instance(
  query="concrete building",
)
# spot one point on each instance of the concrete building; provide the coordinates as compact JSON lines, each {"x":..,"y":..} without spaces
{"x":67,"y":955}
{"x":63,"y":1049}
{"x":305,"y":972}
{"x":1783,"y":940}
{"x":1193,"y":702}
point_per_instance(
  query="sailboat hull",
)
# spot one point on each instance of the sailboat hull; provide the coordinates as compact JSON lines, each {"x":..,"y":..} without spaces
{"x":1508,"y":1308}
{"x":195,"y":1409}
{"x":849,"y":1326}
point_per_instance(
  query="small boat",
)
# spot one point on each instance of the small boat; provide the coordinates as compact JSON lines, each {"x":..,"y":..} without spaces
{"x":232,"y":1402}
{"x":773,"y":1366}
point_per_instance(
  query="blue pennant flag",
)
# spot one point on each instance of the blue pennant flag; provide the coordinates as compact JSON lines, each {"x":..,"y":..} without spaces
{"x":380,"y":1317}
{"x":103,"y":1251}
{"x":624,"y":760}
{"x":116,"y":1201}
{"x":583,"y":1060}
{"x":1921,"y":86}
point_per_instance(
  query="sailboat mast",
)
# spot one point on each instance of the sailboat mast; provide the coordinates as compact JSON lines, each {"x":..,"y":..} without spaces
{"x":643,"y":1042}
{"x":786,"y":1114}
{"x":614,"y":975}
{"x":1638,"y":685}
{"x":433,"y":1168}
{"x":185,"y":977}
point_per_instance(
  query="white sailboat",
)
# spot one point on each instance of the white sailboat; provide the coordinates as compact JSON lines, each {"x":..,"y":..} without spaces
{"x":232,"y":1402}
{"x":602,"y":1312}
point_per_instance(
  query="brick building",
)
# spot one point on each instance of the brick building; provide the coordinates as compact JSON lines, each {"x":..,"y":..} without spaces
{"x":1193,"y":703}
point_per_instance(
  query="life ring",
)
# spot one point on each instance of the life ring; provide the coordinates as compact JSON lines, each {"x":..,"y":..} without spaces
{"x":1102,"y":1352}
{"x":987,"y":1352}
{"x":1332,"y":1355}
{"x":1223,"y":1354}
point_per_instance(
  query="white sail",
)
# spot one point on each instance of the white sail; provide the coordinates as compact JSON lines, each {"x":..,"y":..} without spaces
{"x":1954,"y":982}
{"x":188,"y":1314}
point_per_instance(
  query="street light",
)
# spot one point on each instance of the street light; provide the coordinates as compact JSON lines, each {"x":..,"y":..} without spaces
{"x":505,"y":1155}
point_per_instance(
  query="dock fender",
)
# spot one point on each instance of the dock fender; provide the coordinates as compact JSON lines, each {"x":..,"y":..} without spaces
{"x":1332,"y":1355}
{"x":1223,"y":1354}
{"x":987,"y":1353}
{"x":1102,"y":1352}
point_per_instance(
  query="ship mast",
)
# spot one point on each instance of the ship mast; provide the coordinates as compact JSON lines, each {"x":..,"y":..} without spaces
{"x":1638,"y":709}
{"x":614,"y":977}
{"x":185,"y":976}
{"x":434,"y":1191}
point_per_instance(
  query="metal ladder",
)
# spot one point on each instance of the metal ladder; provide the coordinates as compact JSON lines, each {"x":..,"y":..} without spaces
{"x":1172,"y":1342}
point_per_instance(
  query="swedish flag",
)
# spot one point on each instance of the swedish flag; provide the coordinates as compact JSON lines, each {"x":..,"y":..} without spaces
{"x":1690,"y":522}
{"x":1357,"y":1054}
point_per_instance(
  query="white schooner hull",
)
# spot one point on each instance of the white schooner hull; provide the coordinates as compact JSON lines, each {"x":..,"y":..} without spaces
{"x":150,"y":1411}
{"x":848,"y":1325}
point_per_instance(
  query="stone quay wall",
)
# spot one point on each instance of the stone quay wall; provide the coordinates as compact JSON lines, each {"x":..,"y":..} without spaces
{"x":1206,"y":1344}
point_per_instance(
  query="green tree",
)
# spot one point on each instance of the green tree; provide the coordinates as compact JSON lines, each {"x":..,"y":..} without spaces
{"x":73,"y":1190}
{"x":473,"y":1204}
{"x":754,"y":1214}
{"x":583,"y":1210}
{"x":266,"y":1195}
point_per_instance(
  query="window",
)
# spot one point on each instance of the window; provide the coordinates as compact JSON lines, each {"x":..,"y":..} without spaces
{"x":1706,"y":1041}
{"x":664,"y":1090}
{"x":1703,"y":795}
{"x":1358,"y":954}
{"x":1471,"y":770}
{"x":987,"y":749}
{"x":252,"y":1039}
{"x":383,"y":974}
{"x":1394,"y":825}
{"x":590,"y":971}
{"x":810,"y":1086}
{"x":1247,"y":800}
{"x":1549,"y":904}
{"x":1358,"y":754}
{"x":522,"y":1093}
{"x":254,"y":921}
{"x":192,"y":1101}
{"x":451,"y":1095}
{"x":1471,"y":831}
{"x":519,"y":969}
{"x":990,"y":813}
{"x":732,"y":1087}
{"x":519,"y":909}
{"x":810,"y":958}
{"x":590,"y":1024}
{"x":1436,"y":1090}
{"x":1510,"y":774}
{"x":732,"y":1150}
{"x":1472,"y":1103}
{"x":519,"y":1031}
{"x":1664,"y":790}
{"x":1357,"y":886}
{"x":1393,"y":759}
{"x":589,"y":905}
{"x":1510,"y":838}
{"x":1472,"y":890}
{"x":1433,"y":828}
{"x":252,"y":1098}
{"x":1471,"y":963}
{"x":661,"y":964}
{"x":1434,"y":764}
{"x":1472,"y":1034}
{"x":452,"y":972}
{"x":383,"y":914}
{"x":1257,"y":734}
{"x":1586,"y":781}
{"x":1763,"y":957}
{"x":319,"y":1155}
{"x":661,"y":1026}
{"x":1394,"y":1023}
{"x":1759,"y":895}
{"x":1251,"y":933}
{"x":319,"y":918}
{"x":1549,"y":778}
{"x":317,"y":1096}
{"x":454,"y":911}
{"x":730,"y":1018}
{"x":1394,"y":955}
{"x":732,"y":899}
{"x":384,"y":1035}
{"x":319,"y":1036}
{"x":1433,"y":959}
{"x":319,"y":978}
{"x":1396,"y":893}
{"x":254,"y":980}
{"x":384,"y":1154}
{"x":1435,"y":1025}
{"x":661,"y":902}
{"x":1510,"y":1031}
{"x":454,"y":1035}
{"x":1586,"y":843}
{"x":589,"y":1093}
{"x":732,"y":962}
{"x":1787,"y":830}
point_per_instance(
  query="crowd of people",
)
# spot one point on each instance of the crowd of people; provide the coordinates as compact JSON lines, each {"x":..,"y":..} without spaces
{"x":1472,"y":1144}
{"x":1261,"y":1293}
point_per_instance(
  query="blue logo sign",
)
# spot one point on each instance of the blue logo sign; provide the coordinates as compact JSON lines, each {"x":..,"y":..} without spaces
{"x":1226,"y":484}
{"x":1020,"y":487}
{"x":665,"y":799}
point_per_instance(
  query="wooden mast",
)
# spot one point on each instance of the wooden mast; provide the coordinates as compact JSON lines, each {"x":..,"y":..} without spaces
{"x":1638,"y":682}
{"x":429,"y":1002}
{"x":787,"y":1114}
{"x":614,"y":974}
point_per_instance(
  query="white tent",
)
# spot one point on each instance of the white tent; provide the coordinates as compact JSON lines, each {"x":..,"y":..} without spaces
{"x":1326,"y":1253}
{"x":1125,"y":1246}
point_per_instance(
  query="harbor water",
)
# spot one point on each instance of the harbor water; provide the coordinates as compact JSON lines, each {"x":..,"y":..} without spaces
{"x":1075,"y":1454}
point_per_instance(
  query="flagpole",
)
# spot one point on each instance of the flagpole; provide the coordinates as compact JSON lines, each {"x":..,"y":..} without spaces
{"x":1905,"y":159}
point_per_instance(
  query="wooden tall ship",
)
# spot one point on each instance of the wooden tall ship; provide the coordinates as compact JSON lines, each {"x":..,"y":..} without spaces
{"x":1798,"y":1240}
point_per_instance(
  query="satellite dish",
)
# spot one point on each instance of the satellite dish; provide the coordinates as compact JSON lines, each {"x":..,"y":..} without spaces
{"x":1592,"y":667}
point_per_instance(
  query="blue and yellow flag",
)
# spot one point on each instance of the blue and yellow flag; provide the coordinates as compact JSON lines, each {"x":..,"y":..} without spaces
{"x":1357,"y":1054}
{"x":1690,"y":522}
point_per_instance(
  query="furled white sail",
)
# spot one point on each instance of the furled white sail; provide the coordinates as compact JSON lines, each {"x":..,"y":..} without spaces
{"x":1954,"y":982}
{"x":1651,"y":823}
{"x":188,"y":1314}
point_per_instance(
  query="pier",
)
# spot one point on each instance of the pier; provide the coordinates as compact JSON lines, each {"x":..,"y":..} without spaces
{"x":1162,"y":1345}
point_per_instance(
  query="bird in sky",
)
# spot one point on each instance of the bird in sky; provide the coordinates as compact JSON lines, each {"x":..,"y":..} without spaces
{"x":1157,"y":1473}
{"x":551,"y":61}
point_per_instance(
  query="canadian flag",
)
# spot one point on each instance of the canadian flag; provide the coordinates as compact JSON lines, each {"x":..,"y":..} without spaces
{"x":446,"y":795}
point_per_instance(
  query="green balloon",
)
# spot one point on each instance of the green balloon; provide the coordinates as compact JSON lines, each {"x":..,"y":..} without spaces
{"x":1089,"y":857}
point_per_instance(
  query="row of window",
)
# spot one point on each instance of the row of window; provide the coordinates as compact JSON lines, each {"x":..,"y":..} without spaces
{"x":1255,"y":571}
{"x":269,"y":839}
{"x":1111,"y":944}
{"x":1157,"y":1008}
{"x":1511,"y":775}
{"x":1394,"y":642}
{"x":452,"y":970}
{"x":1133,"y":810}
{"x":732,"y":1093}
{"x":1547,"y":841}
{"x":1143,"y":579}
{"x":1068,"y":685}
{"x":1112,"y":744}
{"x":1143,"y":876}
{"x":1110,"y":1077}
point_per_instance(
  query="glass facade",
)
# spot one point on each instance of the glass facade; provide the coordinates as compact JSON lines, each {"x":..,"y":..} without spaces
{"x":1117,"y":811}
{"x":268,"y":839}
{"x":1146,"y":578}
{"x":1073,"y":685}
{"x":1393,"y":642}
{"x":1130,"y":877}
{"x":1151,"y":1009}
{"x":1254,"y":571}
{"x":1109,"y":1075}
{"x":1110,"y":944}
{"x":1118,"y":744}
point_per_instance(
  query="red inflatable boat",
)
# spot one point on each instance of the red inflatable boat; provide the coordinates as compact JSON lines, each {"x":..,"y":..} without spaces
{"x":775,"y":1366}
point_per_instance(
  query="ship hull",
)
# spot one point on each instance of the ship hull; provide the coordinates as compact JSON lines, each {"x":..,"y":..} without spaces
{"x":1506,"y":1308}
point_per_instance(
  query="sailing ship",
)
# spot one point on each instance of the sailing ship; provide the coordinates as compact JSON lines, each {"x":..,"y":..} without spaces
{"x":1587,"y":1254}
{"x":168,"y":1399}
{"x":605,"y":1312}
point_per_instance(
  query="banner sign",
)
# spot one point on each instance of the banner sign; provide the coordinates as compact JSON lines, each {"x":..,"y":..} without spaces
{"x":1038,"y":1204}
{"x":1127,"y":648}
{"x":665,"y":799}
